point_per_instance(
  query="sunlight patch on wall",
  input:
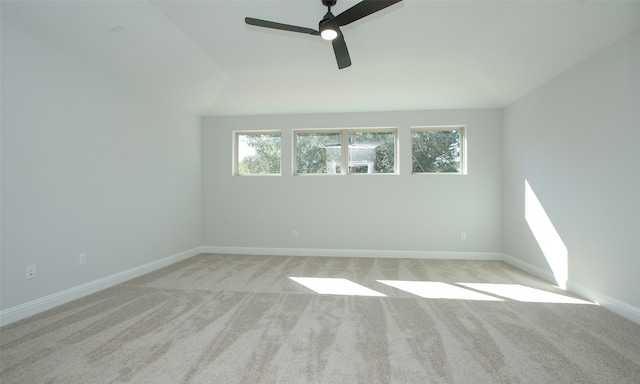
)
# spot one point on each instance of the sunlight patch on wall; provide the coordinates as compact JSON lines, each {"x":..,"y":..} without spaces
{"x":438,"y":290}
{"x":523,"y":293}
{"x":547,"y":237}
{"x":335,"y":286}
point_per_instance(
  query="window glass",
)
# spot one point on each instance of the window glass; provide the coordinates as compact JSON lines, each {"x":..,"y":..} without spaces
{"x":437,"y":150}
{"x":372,"y":152}
{"x":258,"y":153}
{"x":318,"y":152}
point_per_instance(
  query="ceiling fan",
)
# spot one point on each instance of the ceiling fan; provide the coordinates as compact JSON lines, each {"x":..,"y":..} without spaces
{"x":329,"y":26}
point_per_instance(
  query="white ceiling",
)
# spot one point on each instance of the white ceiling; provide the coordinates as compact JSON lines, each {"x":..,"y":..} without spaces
{"x":412,"y":55}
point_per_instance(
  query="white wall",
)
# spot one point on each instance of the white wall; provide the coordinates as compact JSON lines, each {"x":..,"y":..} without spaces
{"x":575,"y":140}
{"x":89,"y":165}
{"x":421,"y":215}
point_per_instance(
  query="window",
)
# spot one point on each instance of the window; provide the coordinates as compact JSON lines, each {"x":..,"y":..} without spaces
{"x":312,"y":155}
{"x":345,"y":152}
{"x":438,"y":150}
{"x":257,"y":153}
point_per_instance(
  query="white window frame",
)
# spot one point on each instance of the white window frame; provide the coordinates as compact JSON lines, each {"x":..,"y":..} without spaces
{"x":236,"y":151}
{"x":344,"y":143}
{"x":462,"y":129}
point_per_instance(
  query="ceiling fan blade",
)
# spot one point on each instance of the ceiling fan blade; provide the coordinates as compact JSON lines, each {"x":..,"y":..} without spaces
{"x":282,"y":27}
{"x":362,"y":9}
{"x":341,"y":51}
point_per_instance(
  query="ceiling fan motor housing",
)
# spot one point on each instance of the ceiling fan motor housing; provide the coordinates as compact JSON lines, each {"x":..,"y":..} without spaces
{"x":325,"y":19}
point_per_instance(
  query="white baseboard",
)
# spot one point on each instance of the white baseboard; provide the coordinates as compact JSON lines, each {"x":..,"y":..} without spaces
{"x":609,"y":303}
{"x":389,"y":254}
{"x":531,"y":269}
{"x":31,"y":308}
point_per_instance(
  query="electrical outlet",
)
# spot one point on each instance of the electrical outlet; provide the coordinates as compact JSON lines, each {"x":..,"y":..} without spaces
{"x":463,"y":236}
{"x":31,"y":272}
{"x":294,"y":233}
{"x":83,"y":259}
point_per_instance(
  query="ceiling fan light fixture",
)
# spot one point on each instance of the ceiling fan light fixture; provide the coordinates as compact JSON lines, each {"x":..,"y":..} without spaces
{"x":328,"y":33}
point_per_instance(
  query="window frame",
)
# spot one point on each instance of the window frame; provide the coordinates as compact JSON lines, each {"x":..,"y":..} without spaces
{"x":236,"y":151}
{"x":462,"y":129}
{"x":344,"y":147}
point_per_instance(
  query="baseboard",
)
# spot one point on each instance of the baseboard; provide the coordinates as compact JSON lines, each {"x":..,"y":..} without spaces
{"x":609,"y":303}
{"x":531,"y":269}
{"x":389,"y":254}
{"x":31,"y":308}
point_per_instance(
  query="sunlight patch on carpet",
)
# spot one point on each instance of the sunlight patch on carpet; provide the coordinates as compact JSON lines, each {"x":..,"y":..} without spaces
{"x":523,"y":293}
{"x":335,"y":286}
{"x":438,"y":290}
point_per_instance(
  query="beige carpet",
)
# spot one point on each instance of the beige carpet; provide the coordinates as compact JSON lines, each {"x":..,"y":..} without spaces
{"x":242,"y":319}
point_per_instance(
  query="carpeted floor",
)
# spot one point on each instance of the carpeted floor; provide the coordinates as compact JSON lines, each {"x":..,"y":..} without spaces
{"x":242,"y":319}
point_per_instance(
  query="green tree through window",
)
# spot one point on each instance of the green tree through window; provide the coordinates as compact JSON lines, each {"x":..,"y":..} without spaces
{"x":436,"y":151}
{"x":312,"y":154}
{"x":258,"y":153}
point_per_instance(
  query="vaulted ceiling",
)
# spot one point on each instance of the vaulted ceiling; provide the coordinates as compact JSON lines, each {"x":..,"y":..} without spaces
{"x":412,"y":55}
